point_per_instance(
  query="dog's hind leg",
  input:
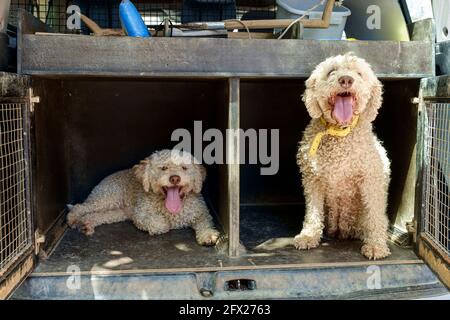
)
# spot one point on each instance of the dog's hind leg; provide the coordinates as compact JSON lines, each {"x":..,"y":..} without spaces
{"x":106,"y":196}
{"x":91,"y":205}
{"x":348,"y":217}
{"x":87,"y":223}
{"x":332,"y":218}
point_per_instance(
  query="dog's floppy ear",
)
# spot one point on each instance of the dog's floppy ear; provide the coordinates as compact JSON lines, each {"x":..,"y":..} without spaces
{"x":199,"y":178}
{"x":375,"y":101}
{"x":142,"y":172}
{"x":311,"y":103}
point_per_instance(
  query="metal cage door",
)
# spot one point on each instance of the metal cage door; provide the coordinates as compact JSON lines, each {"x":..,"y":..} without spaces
{"x":16,"y":227}
{"x":434,"y":216}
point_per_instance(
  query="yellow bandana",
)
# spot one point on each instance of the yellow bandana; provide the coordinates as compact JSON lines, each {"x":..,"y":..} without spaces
{"x":332,"y":131}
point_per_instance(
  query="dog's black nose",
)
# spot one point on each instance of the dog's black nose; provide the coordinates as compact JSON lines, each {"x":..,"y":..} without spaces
{"x":346,"y":82}
{"x":175,"y":179}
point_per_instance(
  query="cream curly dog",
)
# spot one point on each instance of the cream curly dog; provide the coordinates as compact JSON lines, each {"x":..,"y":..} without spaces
{"x":345,"y":169}
{"x":159,"y":194}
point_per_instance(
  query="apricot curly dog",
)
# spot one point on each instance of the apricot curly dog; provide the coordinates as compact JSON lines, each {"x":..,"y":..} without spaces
{"x":159,"y":194}
{"x":345,"y":169}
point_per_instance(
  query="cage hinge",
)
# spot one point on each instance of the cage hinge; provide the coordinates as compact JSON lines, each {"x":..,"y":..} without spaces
{"x":418,"y":101}
{"x":39,"y":239}
{"x":33,"y":100}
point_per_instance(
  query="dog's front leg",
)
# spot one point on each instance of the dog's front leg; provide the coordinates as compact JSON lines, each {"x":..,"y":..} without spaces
{"x":313,"y":225}
{"x":374,"y":221}
{"x":205,"y":232}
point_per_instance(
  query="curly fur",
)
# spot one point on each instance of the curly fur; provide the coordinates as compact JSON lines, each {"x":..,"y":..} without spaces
{"x":346,"y":182}
{"x":137,"y":194}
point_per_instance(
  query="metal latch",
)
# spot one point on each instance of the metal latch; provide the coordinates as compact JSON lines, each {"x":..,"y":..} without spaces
{"x":240,"y":285}
{"x":33,"y":100}
{"x":39,"y":239}
{"x":419,"y":102}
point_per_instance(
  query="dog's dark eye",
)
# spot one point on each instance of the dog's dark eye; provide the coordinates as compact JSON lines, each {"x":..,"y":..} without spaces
{"x":164,"y":168}
{"x":184,"y":168}
{"x":360,"y":74}
{"x":331,"y":72}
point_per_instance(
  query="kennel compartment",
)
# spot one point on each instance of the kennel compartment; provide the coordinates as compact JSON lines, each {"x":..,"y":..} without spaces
{"x":272,"y":206}
{"x":87,"y":129}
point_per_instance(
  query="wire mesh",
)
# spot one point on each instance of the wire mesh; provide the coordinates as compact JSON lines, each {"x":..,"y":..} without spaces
{"x":15,"y":226}
{"x":436,"y":206}
{"x":106,"y":12}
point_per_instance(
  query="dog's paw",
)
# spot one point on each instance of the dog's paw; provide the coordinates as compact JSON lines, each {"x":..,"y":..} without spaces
{"x":85,"y":227}
{"x":72,"y":221}
{"x":375,"y":251}
{"x":302,"y":242}
{"x":208,"y":237}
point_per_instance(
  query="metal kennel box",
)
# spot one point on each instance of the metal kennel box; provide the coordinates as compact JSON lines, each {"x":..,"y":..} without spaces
{"x":94,"y":105}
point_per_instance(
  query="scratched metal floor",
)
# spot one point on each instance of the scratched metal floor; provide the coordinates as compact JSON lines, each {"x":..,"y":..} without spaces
{"x":121,"y":262}
{"x":267,"y":238}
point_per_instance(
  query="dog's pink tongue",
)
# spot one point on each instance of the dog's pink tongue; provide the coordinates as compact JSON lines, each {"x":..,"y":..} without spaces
{"x":343,"y":109}
{"x":173,"y":200}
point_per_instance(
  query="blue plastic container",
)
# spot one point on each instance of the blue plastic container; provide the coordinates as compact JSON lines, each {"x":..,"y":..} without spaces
{"x":131,"y":20}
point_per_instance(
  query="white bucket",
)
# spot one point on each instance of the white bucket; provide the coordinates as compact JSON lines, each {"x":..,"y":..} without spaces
{"x":4,"y":12}
{"x":292,"y":9}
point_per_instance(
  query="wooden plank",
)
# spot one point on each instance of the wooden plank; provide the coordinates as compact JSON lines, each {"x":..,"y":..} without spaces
{"x":199,"y":57}
{"x":233,"y":159}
